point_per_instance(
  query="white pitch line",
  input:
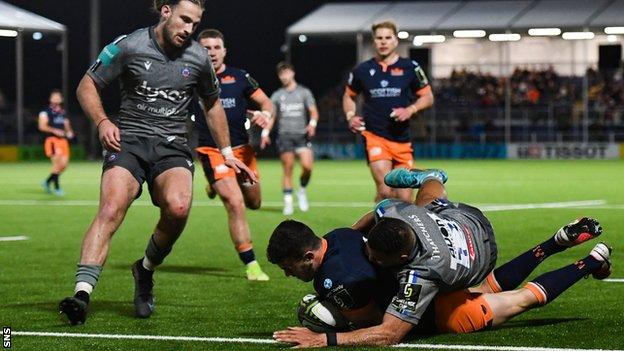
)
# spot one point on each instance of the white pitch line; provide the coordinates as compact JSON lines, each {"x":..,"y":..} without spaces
{"x":148,"y":337}
{"x":565,"y":204}
{"x":492,"y":348}
{"x":13,"y":238}
{"x":339,"y":204}
{"x":270,"y":341}
{"x":614,"y":280}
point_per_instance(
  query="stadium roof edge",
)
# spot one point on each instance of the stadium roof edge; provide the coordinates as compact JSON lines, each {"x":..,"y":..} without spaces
{"x":440,"y":17}
{"x":15,"y":18}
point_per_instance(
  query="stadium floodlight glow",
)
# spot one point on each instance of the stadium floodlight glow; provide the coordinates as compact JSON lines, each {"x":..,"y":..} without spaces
{"x":504,"y":37}
{"x":614,"y":30}
{"x":303,"y":38}
{"x":403,"y":35}
{"x":578,"y":35}
{"x":472,"y":33}
{"x":37,"y":36}
{"x":544,"y":32}
{"x":429,"y":39}
{"x":9,"y":33}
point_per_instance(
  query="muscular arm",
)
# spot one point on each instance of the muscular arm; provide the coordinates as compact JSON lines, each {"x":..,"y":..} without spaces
{"x":216,"y":120}
{"x":424,"y":101}
{"x":262,"y":100}
{"x":89,"y":99}
{"x":348,"y":102}
{"x":356,"y":123}
{"x":391,"y":331}
{"x":262,"y":119}
{"x":365,"y":223}
{"x":91,"y":103}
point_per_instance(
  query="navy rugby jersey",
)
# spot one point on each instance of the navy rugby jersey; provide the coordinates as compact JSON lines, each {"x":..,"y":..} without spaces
{"x":155,"y":89}
{"x":237,"y":87}
{"x":56,"y":118}
{"x":347,"y":278}
{"x":384,"y":88}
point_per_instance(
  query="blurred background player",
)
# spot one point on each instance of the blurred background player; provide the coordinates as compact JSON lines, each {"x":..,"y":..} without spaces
{"x":53,"y":122}
{"x":395,"y":89}
{"x":237,"y":89}
{"x":160,"y":68}
{"x":297,"y":115}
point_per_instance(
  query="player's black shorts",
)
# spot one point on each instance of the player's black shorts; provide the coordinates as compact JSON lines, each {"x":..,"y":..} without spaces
{"x":292,"y":142}
{"x":148,"y":157}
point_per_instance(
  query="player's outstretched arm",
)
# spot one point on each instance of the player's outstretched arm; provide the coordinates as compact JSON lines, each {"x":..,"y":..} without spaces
{"x":391,"y":331}
{"x":91,"y":103}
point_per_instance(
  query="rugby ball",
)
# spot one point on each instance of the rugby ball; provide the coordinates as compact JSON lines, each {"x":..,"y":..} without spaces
{"x":321,"y":316}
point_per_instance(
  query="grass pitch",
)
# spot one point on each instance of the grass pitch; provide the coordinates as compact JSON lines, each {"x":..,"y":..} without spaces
{"x":201,"y":290}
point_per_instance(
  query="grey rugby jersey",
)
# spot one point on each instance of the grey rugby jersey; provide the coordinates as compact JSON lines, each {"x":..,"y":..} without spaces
{"x":454,"y":252}
{"x":291,"y":108}
{"x":155,"y":89}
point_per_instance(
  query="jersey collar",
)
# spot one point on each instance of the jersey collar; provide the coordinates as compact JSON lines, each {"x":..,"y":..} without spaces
{"x":384,"y":66}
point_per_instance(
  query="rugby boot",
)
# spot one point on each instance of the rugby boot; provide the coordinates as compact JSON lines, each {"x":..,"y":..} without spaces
{"x":75,"y":308}
{"x":143,"y":290}
{"x":255,"y":273}
{"x":414,"y":178}
{"x":602,"y":252}
{"x":578,"y":232}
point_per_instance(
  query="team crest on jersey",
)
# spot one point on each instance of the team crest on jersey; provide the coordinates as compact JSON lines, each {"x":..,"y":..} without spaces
{"x":186,"y":72}
{"x":396,"y":71}
{"x":383,"y":83}
{"x":372,"y":72}
{"x":228,"y":80}
{"x":327,"y":283}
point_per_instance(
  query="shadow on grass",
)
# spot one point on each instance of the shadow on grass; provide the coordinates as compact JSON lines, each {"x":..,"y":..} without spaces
{"x":197,"y":270}
{"x":538,"y":322}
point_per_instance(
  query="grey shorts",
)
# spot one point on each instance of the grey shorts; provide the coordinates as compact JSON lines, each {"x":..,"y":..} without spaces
{"x":147,"y":157}
{"x":478,"y":224}
{"x":292,"y":142}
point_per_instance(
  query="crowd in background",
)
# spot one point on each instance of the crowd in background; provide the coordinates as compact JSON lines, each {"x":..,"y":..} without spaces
{"x":471,"y":104}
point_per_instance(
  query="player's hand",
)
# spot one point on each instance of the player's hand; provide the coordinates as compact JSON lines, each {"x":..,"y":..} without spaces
{"x":239,"y":167}
{"x":258,"y":118}
{"x":58,"y":132}
{"x":109,"y":136}
{"x":264,"y":142}
{"x":311,"y":131}
{"x":356,"y":124}
{"x":402,"y":114}
{"x":301,"y":337}
{"x":69,"y":135}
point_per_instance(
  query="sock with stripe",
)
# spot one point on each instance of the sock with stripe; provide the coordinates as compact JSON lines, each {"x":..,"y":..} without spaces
{"x":510,"y":275}
{"x":549,"y":285}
